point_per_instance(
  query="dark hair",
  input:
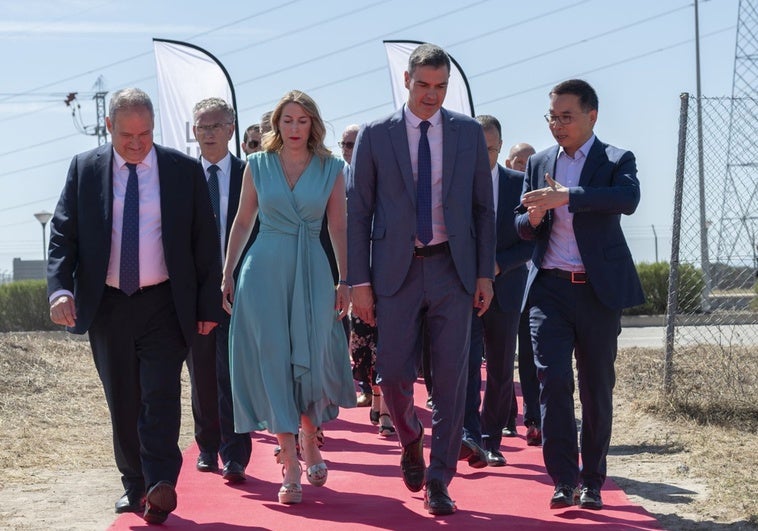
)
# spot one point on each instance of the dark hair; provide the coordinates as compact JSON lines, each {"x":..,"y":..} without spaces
{"x":428,"y":55}
{"x":489,"y":122}
{"x":578,"y":87}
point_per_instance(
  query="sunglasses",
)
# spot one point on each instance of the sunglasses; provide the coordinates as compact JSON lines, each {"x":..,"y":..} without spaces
{"x":252,"y":144}
{"x":348,"y":145}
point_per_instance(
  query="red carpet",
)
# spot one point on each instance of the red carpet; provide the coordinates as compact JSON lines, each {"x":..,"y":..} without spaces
{"x":365,"y":491}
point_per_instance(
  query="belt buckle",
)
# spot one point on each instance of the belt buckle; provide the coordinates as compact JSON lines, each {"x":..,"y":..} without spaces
{"x":575,"y":279}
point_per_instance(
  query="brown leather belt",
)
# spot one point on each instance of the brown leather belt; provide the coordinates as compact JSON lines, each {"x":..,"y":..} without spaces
{"x":431,"y":250}
{"x":576,"y":277}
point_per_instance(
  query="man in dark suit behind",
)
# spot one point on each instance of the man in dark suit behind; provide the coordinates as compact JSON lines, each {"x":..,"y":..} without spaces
{"x":208,"y":360}
{"x":583,"y":275}
{"x":497,"y":329}
{"x":134,"y":261}
{"x":421,"y":242}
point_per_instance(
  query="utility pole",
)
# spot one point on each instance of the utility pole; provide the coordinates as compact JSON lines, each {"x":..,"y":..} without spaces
{"x":655,"y":238}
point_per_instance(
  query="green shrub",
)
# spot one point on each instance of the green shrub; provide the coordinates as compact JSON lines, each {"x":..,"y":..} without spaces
{"x":655,"y":282}
{"x":24,"y":306}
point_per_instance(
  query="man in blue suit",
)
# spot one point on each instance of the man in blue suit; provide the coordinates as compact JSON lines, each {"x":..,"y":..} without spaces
{"x":421,"y":242}
{"x":583,"y":276}
{"x":497,"y":329}
{"x":208,"y":361}
{"x":134,"y":261}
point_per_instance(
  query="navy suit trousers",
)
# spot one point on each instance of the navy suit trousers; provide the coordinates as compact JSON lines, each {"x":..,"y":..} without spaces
{"x":139,"y":349}
{"x":568,"y":318}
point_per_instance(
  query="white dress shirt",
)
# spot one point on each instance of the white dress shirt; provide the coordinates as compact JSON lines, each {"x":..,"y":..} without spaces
{"x":495,"y":186}
{"x":152,"y":263}
{"x":434,"y":134}
{"x":562,"y":251}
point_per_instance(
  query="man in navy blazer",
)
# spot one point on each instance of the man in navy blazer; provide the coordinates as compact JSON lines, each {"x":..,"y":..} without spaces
{"x":497,"y":329}
{"x":134,"y":261}
{"x":208,"y":361}
{"x":583,"y":276}
{"x":421,"y":241}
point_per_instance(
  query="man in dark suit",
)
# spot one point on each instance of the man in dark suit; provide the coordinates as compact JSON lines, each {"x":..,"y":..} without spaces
{"x":421,"y":242}
{"x":497,"y":329}
{"x":208,"y":361}
{"x":583,"y":275}
{"x":134,"y":261}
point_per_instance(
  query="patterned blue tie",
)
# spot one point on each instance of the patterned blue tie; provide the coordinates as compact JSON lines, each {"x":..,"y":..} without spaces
{"x":424,"y":187}
{"x":214,"y":193}
{"x":129,"y":267}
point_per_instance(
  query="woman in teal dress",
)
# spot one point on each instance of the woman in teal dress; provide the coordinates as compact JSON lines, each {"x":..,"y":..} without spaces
{"x":288,"y":356}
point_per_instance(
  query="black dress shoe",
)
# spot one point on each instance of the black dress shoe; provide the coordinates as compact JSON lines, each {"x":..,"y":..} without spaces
{"x":130,"y":503}
{"x":159,"y":502}
{"x":436,"y":499}
{"x":495,"y":458}
{"x":564,"y":496}
{"x":207,"y":462}
{"x":234,"y":472}
{"x":473,"y":453}
{"x":509,"y":431}
{"x":590,"y":499}
{"x":412,"y":464}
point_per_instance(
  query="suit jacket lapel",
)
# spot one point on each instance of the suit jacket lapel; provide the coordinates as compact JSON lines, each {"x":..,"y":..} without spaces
{"x":104,"y":168}
{"x":593,"y":162}
{"x":449,"y":149}
{"x":165,"y":174}
{"x":235,"y":186}
{"x":547,"y":167}
{"x":399,"y":139}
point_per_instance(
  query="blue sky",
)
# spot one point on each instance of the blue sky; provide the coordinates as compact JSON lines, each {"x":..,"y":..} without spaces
{"x":639,"y":56}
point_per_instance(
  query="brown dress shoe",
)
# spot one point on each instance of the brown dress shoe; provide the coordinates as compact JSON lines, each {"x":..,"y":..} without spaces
{"x":159,"y":502}
{"x":412,"y":464}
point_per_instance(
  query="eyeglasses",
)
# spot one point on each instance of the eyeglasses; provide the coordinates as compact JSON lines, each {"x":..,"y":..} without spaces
{"x":212,"y":128}
{"x":252,"y":144}
{"x":346,"y":145}
{"x":563,"y":119}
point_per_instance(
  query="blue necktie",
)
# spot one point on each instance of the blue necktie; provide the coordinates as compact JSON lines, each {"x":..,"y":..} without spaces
{"x":214,"y":193}
{"x":424,"y":187}
{"x":129,"y":267}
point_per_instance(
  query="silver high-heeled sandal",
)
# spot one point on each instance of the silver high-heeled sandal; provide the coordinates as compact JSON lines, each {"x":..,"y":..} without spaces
{"x":316,"y":473}
{"x":289,"y":493}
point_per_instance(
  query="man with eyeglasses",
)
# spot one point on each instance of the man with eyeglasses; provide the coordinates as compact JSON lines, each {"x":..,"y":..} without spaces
{"x":583,"y":275}
{"x":208,"y":361}
{"x":251,"y":140}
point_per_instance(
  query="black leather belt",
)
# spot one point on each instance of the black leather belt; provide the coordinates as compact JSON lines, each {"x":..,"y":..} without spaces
{"x":431,"y":250}
{"x":143,"y":289}
{"x":576,"y":277}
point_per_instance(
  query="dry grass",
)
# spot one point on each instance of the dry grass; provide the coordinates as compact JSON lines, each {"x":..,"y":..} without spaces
{"x":705,"y":430}
{"x":690,"y":459}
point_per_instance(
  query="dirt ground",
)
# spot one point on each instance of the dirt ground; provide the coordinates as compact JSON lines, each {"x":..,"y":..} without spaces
{"x":57,"y":471}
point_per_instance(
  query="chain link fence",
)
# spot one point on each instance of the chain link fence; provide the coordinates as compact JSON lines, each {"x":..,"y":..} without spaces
{"x":712,"y":307}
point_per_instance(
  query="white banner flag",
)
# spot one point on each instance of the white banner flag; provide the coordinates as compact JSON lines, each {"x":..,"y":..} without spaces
{"x":458,"y":96}
{"x":186,"y":75}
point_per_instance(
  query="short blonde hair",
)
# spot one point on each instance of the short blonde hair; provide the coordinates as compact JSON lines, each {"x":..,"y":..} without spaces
{"x":272,"y":140}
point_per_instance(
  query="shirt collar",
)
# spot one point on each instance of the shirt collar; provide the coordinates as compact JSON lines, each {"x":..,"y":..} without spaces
{"x":150,"y":159}
{"x":414,"y":121}
{"x":584,"y":149}
{"x":225,"y":164}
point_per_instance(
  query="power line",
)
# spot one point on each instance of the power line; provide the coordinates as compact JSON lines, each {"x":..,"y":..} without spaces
{"x":606,"y":66}
{"x":143,"y":54}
